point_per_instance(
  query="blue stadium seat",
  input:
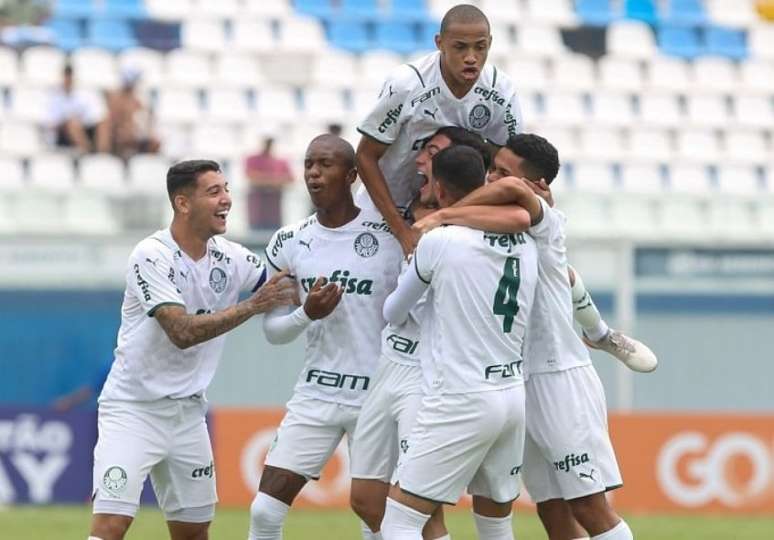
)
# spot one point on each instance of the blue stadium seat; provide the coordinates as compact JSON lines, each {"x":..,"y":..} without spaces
{"x":68,"y":33}
{"x":367,"y":9}
{"x":641,"y":10}
{"x":162,"y":36}
{"x":315,"y":8}
{"x":76,"y":9}
{"x":414,"y":10}
{"x":596,"y":12}
{"x":725,"y":42}
{"x":396,"y":36}
{"x":112,"y":34}
{"x":679,"y":41}
{"x":684,"y":12}
{"x":131,"y":9}
{"x":427,"y":32}
{"x":349,"y":35}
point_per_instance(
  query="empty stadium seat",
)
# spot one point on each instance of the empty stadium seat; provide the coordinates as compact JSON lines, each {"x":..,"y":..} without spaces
{"x":594,"y":177}
{"x":660,"y":110}
{"x":734,"y":14}
{"x":573,"y":72}
{"x":564,"y":139}
{"x":214,"y":141}
{"x":739,"y":180}
{"x":553,"y":12}
{"x":277,"y":103}
{"x":30,"y":104}
{"x":67,"y":33}
{"x":650,"y":144}
{"x":222,"y":9}
{"x":74,"y":9}
{"x":725,"y":42}
{"x":508,"y":11}
{"x":668,"y":73}
{"x":689,"y":178}
{"x":679,"y":41}
{"x":643,"y":178}
{"x":612,"y":109}
{"x":95,"y":68}
{"x":315,"y":8}
{"x":683,"y":12}
{"x":130,"y":9}
{"x":620,"y":74}
{"x":702,"y":146}
{"x":756,"y":75}
{"x":746,"y":147}
{"x":89,"y":213}
{"x":712,"y":73}
{"x":633,"y":217}
{"x":42,"y":65}
{"x":11,"y":174}
{"x":111,"y":34}
{"x":596,"y":143}
{"x":102,"y":173}
{"x":52,"y":172}
{"x":349,"y":35}
{"x":275,"y":9}
{"x":597,"y":12}
{"x":148,"y":173}
{"x":682,"y":217}
{"x":302,"y":34}
{"x":173,"y":10}
{"x":587,"y":214}
{"x":337,"y":69}
{"x":188,"y":69}
{"x":363,"y":102}
{"x":19,"y":139}
{"x":227,"y":105}
{"x":502,"y":41}
{"x":324,"y":104}
{"x":631,"y":39}
{"x":761,"y":41}
{"x":9,"y":67}
{"x":178,"y":106}
{"x":367,"y":9}
{"x":754,"y":111}
{"x":203,"y":35}
{"x":253,"y":36}
{"x":376,"y":65}
{"x":641,"y":10}
{"x":528,"y":73}
{"x":540,"y":41}
{"x":565,"y":109}
{"x":707,"y":110}
{"x":37,"y":212}
{"x":238,"y":70}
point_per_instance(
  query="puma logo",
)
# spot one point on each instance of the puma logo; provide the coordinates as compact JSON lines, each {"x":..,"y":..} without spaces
{"x":590,"y":475}
{"x":307,"y":245}
{"x":428,"y":113}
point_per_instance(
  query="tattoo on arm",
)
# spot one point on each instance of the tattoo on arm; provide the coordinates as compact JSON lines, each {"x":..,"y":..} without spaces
{"x":186,"y":330}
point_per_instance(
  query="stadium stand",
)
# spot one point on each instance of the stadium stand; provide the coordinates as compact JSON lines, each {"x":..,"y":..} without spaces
{"x":680,"y":103}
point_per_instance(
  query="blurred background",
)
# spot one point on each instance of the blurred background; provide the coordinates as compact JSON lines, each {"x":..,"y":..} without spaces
{"x":663,"y":114}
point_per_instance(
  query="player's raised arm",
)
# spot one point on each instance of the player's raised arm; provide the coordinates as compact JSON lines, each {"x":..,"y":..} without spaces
{"x":186,"y":330}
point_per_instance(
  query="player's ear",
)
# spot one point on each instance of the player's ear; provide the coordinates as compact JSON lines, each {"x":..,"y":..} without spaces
{"x":438,"y":41}
{"x":181,"y":204}
{"x":352,"y":175}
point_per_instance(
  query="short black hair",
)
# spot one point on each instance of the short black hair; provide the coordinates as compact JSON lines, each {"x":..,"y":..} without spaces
{"x":463,"y":14}
{"x":341,"y":146}
{"x":459,"y":135}
{"x":541,"y":159}
{"x":183,"y":175}
{"x":460,"y":169}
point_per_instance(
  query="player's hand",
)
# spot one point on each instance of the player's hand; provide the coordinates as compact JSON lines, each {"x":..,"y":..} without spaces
{"x":428,"y":223}
{"x":280,"y":290}
{"x":408,"y":238}
{"x":542,"y":190}
{"x":322,"y":299}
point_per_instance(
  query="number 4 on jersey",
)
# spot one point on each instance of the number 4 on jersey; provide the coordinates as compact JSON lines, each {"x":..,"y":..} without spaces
{"x":507,"y":290}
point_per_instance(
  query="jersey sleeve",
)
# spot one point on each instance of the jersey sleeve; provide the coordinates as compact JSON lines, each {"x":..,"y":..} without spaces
{"x":510,"y":122}
{"x":387,"y":116}
{"x":550,"y":229}
{"x":252,"y":271}
{"x":151,"y":278}
{"x":278,"y":251}
{"x":429,"y":254}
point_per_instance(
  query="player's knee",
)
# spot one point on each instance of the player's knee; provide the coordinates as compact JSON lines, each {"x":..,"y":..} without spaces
{"x":367,"y":509}
{"x":593,"y":512}
{"x":267,"y":515}
{"x":109,"y":527}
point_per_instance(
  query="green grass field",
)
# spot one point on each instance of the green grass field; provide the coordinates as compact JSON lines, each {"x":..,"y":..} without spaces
{"x":63,"y":522}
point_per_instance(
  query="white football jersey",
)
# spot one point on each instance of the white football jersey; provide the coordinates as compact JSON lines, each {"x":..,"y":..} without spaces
{"x":483,"y":285}
{"x":342,"y":350}
{"x":552,"y":343}
{"x":415,"y":102}
{"x":148,"y":366}
{"x":401,"y":343}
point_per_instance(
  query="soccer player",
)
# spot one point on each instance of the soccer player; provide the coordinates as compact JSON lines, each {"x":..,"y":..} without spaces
{"x":569,"y":462}
{"x":182,"y":288}
{"x":469,"y":430}
{"x":390,"y":408}
{"x":452,"y":87}
{"x":347,"y":262}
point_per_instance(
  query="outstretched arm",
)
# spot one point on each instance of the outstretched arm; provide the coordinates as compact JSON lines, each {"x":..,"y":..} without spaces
{"x":186,"y":330}
{"x":369,"y":151}
{"x":498,"y":219}
{"x":408,"y":292}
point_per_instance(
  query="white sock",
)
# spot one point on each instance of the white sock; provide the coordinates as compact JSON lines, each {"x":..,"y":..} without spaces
{"x":94,"y":538}
{"x":444,"y":537}
{"x":267,"y":515}
{"x":492,"y":528}
{"x":619,"y":532}
{"x":585,"y":311}
{"x":401,"y":522}
{"x":368,"y":534}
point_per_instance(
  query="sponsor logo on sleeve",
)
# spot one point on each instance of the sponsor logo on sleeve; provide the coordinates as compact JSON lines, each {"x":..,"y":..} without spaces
{"x":144,"y":285}
{"x":282,"y":237}
{"x":391,"y":118}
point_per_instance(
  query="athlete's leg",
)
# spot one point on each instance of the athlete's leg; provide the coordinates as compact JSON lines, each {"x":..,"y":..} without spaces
{"x":276,"y":492}
{"x":596,"y":515}
{"x":493,"y":519}
{"x":585,"y":311}
{"x":405,"y":515}
{"x":435,"y":528}
{"x":558,"y":520}
{"x":179,"y":530}
{"x":109,"y":526}
{"x":367,"y":499}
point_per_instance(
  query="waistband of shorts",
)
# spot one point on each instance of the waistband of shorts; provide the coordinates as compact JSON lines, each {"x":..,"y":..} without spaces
{"x":161,"y":403}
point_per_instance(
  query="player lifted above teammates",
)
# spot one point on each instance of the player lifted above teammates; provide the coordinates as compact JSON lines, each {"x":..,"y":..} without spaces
{"x":452,"y":87}
{"x":182,"y":287}
{"x":346,"y":262}
{"x":469,"y":430}
{"x":569,"y":462}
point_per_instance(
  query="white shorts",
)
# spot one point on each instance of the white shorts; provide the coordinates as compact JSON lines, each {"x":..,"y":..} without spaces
{"x":309,"y":434}
{"x":474,"y":440}
{"x":167,"y":439}
{"x":568,"y":453}
{"x":385,"y":421}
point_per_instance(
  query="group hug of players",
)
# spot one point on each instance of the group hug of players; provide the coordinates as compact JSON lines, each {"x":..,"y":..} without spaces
{"x":438,"y":309}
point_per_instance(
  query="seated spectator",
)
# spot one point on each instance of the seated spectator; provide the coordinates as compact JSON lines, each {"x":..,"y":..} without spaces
{"x":130,"y":120}
{"x":78,"y":119}
{"x":268,"y":176}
